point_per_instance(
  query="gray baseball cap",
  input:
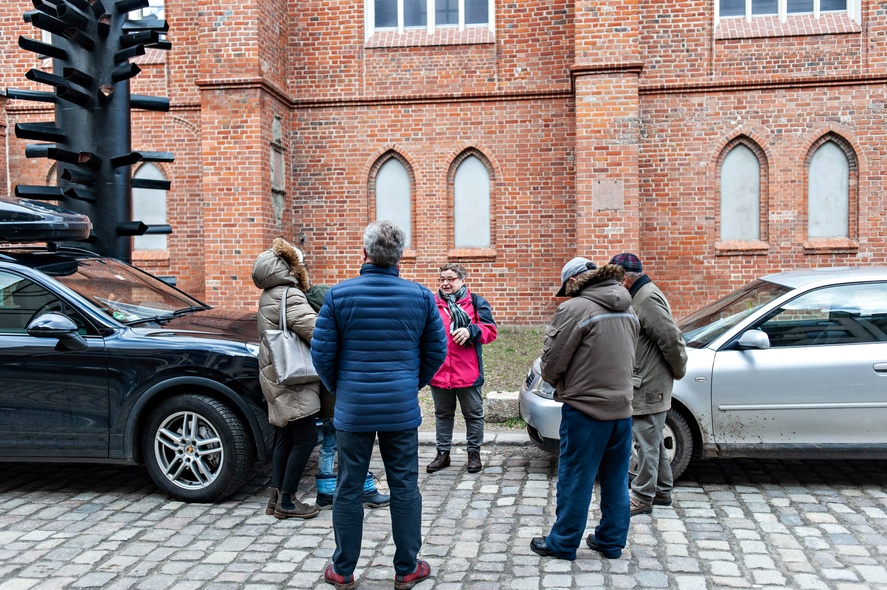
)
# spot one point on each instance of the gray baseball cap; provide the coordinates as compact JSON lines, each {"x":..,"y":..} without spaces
{"x":574,"y":267}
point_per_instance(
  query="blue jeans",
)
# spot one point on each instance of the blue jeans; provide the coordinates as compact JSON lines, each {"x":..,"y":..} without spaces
{"x":472,"y":403}
{"x":326,"y":456}
{"x":400,"y":454}
{"x":591,"y":448}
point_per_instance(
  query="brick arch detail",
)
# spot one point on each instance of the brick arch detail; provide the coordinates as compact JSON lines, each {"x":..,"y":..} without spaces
{"x":838,"y":136}
{"x":164,"y":168}
{"x":753,"y":142}
{"x":456,"y":157}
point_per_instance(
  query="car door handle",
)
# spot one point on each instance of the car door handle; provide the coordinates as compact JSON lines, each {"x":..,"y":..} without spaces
{"x":880,"y":367}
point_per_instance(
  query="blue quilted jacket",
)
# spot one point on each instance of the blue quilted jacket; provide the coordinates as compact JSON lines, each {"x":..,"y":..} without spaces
{"x":378,"y":340}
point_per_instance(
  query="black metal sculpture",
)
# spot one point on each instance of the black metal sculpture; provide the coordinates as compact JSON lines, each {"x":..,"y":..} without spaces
{"x":90,"y":139}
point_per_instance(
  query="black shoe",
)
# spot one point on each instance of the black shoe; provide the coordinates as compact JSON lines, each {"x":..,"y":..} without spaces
{"x":539,"y":547}
{"x":661,"y":500}
{"x":324,"y":501}
{"x":592,"y":544}
{"x":442,"y":460}
{"x":474,"y":464}
{"x":375,"y":500}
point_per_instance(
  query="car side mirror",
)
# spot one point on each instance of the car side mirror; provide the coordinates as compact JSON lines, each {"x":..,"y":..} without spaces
{"x":754,"y":339}
{"x":56,"y":325}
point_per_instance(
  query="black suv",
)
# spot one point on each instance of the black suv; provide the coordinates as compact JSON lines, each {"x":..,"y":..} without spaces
{"x":102,"y":362}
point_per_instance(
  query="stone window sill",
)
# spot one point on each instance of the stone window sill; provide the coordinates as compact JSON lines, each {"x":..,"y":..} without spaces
{"x":828,"y":23}
{"x":422,"y":38}
{"x":742,"y":248}
{"x":471,"y":254}
{"x":831,"y":246}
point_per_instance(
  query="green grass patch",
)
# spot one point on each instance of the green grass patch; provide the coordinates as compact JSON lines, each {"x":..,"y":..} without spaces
{"x":507,"y":360}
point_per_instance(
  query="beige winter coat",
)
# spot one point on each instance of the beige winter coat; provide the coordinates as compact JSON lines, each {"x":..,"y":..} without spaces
{"x":274,"y":271}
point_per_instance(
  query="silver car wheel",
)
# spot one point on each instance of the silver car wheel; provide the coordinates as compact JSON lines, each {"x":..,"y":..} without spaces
{"x":188,"y":450}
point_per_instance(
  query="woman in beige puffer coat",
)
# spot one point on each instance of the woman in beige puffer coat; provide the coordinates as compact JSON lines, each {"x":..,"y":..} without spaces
{"x":291,"y":408}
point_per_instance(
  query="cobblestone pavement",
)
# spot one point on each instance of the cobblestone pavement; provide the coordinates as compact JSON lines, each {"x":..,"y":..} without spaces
{"x":734,"y":524}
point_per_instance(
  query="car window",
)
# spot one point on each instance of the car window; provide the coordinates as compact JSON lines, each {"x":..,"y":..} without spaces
{"x":22,"y":301}
{"x":845,"y":314}
{"x":704,"y":326}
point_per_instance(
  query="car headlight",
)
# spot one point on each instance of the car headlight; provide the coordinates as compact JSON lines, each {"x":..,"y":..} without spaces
{"x":253,"y":348}
{"x":544,"y":390}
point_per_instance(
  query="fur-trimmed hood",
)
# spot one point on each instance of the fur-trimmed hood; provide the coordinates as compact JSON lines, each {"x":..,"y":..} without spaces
{"x":281,"y":265}
{"x":592,"y":277}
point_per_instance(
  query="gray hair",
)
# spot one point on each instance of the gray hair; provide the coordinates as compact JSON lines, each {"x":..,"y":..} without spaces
{"x":384,"y":242}
{"x":633,"y":276}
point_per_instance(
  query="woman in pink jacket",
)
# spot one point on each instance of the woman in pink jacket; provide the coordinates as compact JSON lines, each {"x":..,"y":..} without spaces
{"x":469,"y":322}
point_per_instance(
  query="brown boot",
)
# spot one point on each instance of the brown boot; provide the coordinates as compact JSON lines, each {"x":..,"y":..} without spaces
{"x":442,"y":460}
{"x":299,"y":510}
{"x":272,"y":501}
{"x":474,"y":464}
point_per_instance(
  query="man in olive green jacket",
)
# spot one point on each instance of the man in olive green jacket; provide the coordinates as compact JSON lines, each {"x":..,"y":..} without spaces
{"x":659,"y":360}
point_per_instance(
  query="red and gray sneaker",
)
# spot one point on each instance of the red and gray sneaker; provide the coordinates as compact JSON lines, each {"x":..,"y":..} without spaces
{"x":422,"y":571}
{"x":340,"y":582}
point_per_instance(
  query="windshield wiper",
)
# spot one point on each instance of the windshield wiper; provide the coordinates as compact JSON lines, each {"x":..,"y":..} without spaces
{"x":187,"y":310}
{"x":160,"y":319}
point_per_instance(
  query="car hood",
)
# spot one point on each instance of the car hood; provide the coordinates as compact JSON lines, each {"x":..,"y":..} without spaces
{"x":217,"y":323}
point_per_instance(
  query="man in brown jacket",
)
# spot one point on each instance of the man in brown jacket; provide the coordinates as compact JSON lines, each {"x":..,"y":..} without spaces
{"x":588,"y":355}
{"x":661,"y":358}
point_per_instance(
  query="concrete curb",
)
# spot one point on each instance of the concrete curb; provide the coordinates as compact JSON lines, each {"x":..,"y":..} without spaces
{"x":517,"y":438}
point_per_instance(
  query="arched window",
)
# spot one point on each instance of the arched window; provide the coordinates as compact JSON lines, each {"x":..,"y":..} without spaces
{"x":828,"y":192}
{"x":740,"y":195}
{"x":394,"y":195}
{"x":471,"y":204}
{"x":149,"y":206}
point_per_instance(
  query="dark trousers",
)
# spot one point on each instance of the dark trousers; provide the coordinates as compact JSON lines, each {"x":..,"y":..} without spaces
{"x":400,"y":455}
{"x":293,"y":444}
{"x":472,"y":403}
{"x":591,"y":448}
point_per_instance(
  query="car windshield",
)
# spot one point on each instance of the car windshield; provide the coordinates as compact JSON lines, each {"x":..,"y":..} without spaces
{"x":703,"y":326}
{"x":125,"y":293}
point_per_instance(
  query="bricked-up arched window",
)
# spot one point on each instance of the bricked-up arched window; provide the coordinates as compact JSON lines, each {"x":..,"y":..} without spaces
{"x":406,"y":14}
{"x":829,"y":172}
{"x":740,"y":194}
{"x":394,"y":198}
{"x":149,"y":205}
{"x":471,"y":203}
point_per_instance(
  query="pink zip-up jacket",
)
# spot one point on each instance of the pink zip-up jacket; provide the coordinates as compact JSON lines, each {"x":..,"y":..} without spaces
{"x":464,"y":365}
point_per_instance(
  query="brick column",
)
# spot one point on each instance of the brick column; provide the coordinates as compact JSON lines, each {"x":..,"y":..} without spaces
{"x":240,"y":96}
{"x":605,"y":78}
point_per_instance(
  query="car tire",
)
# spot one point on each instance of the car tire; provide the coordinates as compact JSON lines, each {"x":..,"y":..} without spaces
{"x":196,"y":449}
{"x":683,"y":443}
{"x":676,"y":429}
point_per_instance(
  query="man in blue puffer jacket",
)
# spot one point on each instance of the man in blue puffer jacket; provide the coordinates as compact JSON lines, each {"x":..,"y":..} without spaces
{"x":378,"y":340}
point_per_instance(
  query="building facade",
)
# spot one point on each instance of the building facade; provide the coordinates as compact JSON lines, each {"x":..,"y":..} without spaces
{"x":718,"y":139}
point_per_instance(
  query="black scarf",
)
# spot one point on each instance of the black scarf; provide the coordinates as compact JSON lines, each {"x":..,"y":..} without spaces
{"x":458,"y":317}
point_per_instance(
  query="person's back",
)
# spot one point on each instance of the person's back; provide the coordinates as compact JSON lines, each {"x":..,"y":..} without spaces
{"x":381,"y":324}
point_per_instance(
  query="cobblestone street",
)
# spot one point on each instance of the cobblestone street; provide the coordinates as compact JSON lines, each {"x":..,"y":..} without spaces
{"x":734,"y":524}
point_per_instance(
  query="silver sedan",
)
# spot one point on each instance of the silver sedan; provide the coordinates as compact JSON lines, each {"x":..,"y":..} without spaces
{"x":791,"y":365}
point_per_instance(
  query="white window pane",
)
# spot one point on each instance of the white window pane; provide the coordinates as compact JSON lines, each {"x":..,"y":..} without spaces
{"x":472,"y":204}
{"x":386,"y":13}
{"x":393,"y":196}
{"x":740,"y":195}
{"x":828,"y":192}
{"x":415,"y":13}
{"x":149,"y":206}
{"x":477,"y":12}
{"x":732,"y":8}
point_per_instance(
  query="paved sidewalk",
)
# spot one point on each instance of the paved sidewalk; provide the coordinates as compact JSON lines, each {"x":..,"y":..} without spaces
{"x":734,"y":524}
